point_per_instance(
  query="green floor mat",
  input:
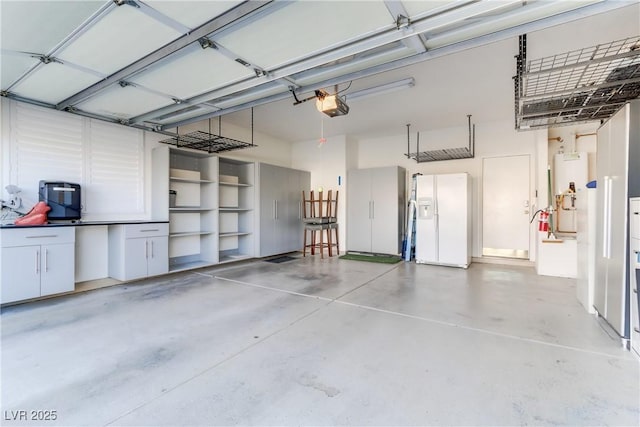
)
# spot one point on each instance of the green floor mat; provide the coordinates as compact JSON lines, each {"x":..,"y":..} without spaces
{"x":385,"y":259}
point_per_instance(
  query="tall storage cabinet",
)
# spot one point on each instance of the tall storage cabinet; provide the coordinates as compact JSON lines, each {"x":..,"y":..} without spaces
{"x":192,"y":210}
{"x":280,"y":195}
{"x":618,"y":163}
{"x":375,"y":209}
{"x":236,"y":210}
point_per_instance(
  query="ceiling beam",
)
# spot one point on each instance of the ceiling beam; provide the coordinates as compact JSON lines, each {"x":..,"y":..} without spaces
{"x":239,"y":12}
{"x":388,"y":35}
{"x":514,"y":31}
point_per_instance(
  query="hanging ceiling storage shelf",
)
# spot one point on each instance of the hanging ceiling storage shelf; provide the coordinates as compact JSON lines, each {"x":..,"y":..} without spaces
{"x":577,"y":86}
{"x":204,"y":141}
{"x":443,"y":153}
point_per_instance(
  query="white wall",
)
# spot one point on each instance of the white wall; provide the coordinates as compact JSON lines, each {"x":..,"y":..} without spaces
{"x":327,"y":163}
{"x":492,"y":139}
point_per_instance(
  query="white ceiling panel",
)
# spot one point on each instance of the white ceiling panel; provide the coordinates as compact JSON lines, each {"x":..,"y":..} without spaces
{"x":302,"y":28}
{"x":38,"y":26}
{"x":188,"y":113}
{"x":118,"y":39}
{"x":252,"y":95}
{"x":319,"y":74}
{"x":53,"y":83}
{"x":420,"y":8}
{"x":192,"y":14}
{"x":13,"y":66}
{"x":123,"y":102}
{"x":191,"y":72}
{"x":513,"y":18}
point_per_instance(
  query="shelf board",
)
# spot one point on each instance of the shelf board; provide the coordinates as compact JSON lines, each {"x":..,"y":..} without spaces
{"x":193,"y":181}
{"x":188,"y":265}
{"x":232,"y":258}
{"x":189,"y":209}
{"x":190,"y":233}
{"x":235,"y":233}
{"x":227,"y":209}
{"x":235,"y":184}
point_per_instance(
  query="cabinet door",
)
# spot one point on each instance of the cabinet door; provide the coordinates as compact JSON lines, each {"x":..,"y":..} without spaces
{"x":384,"y":211}
{"x":158,"y":256}
{"x":359,"y":210}
{"x":268,"y":194}
{"x":292,"y":224}
{"x":20,"y":273}
{"x":57,"y":268}
{"x":135,"y":258}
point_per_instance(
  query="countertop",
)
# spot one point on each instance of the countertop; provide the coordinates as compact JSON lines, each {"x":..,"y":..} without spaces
{"x":81,"y":223}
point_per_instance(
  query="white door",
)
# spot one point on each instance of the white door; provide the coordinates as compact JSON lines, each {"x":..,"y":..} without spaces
{"x":505,"y":206}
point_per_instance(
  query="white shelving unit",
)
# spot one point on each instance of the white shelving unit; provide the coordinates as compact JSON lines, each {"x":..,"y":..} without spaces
{"x":236,"y":210}
{"x":193,"y":218}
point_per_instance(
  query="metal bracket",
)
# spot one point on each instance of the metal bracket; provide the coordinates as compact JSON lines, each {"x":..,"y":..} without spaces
{"x":402,"y":22}
{"x":127,"y":2}
{"x":206,"y":43}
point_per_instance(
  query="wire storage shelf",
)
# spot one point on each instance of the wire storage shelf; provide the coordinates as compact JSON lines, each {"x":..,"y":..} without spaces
{"x":204,"y":141}
{"x":577,"y":86}
{"x":443,"y":153}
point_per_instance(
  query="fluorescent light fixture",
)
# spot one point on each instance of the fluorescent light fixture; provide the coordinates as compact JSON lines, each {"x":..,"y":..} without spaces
{"x":331,"y":105}
{"x":385,"y":88}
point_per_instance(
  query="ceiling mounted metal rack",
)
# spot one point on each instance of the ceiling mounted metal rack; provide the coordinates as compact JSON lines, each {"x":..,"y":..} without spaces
{"x":441,"y":154}
{"x":208,"y":141}
{"x":577,"y":86}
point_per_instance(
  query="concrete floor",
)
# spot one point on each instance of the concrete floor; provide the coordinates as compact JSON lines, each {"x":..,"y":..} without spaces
{"x":321,"y":342}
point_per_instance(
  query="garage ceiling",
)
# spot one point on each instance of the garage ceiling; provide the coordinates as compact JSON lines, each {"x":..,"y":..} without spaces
{"x":160,"y":64}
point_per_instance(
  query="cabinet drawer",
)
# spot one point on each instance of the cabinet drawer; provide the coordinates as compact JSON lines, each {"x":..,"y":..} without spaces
{"x":37,"y":236}
{"x":132,"y":231}
{"x":634,"y":218}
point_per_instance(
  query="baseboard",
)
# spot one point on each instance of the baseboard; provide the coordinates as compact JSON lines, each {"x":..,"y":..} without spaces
{"x":504,"y":261}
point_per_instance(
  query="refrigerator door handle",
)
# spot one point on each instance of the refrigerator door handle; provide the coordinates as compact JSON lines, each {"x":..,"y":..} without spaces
{"x":373,"y":209}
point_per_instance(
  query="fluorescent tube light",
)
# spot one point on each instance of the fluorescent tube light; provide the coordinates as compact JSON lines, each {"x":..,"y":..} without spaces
{"x":385,"y":88}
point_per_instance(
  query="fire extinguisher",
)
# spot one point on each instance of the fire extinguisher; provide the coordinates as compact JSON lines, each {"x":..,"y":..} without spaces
{"x":543,"y":221}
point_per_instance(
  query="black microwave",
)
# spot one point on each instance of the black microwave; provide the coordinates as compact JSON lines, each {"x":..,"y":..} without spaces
{"x":62,"y":197}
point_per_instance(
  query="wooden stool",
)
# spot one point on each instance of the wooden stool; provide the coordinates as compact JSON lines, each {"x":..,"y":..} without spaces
{"x":319,"y":215}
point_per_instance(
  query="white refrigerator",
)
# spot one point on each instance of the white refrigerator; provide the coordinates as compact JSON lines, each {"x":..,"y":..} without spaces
{"x":443,"y":222}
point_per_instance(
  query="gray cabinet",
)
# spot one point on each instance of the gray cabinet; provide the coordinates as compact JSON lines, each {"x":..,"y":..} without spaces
{"x":375,"y":209}
{"x":36,"y":262}
{"x":280,"y":197}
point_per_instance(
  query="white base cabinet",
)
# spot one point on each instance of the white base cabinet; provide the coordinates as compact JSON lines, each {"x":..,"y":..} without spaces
{"x":138,"y":250}
{"x":36,"y":262}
